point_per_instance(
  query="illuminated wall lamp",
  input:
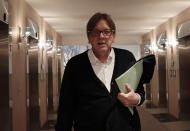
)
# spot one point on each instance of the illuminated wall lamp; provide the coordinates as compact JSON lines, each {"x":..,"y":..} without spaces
{"x":15,"y":35}
{"x":41,"y":44}
{"x":154,"y":48}
{"x":175,"y":42}
{"x":14,"y":32}
{"x":172,"y":43}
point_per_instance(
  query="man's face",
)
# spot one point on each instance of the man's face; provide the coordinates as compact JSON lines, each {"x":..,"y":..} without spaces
{"x":101,"y":38}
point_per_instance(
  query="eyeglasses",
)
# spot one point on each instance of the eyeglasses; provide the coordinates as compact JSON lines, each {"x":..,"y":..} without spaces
{"x":98,"y":32}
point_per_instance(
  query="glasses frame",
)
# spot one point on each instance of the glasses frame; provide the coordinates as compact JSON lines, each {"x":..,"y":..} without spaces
{"x":106,"y":33}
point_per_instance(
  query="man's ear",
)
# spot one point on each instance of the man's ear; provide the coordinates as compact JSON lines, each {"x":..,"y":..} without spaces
{"x":113,"y":40}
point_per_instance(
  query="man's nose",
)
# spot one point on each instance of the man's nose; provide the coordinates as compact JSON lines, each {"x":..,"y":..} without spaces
{"x":101,"y":35}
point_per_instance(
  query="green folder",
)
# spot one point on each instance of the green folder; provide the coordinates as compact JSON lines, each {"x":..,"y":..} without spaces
{"x":132,"y":77}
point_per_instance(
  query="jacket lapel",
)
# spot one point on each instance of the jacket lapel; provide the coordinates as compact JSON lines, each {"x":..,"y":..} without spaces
{"x":114,"y":89}
{"x":92,"y":73}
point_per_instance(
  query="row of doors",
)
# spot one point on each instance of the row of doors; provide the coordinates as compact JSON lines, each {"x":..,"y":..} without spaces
{"x":32,"y":86}
{"x":177,"y":99}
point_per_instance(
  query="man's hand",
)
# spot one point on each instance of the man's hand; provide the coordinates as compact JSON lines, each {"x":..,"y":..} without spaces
{"x":129,"y":99}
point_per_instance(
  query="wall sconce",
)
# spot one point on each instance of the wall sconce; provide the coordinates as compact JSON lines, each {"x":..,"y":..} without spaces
{"x":172,"y":43}
{"x":15,"y":35}
{"x":41,"y":44}
{"x":13,"y":32}
{"x":175,"y":42}
{"x":154,"y":48}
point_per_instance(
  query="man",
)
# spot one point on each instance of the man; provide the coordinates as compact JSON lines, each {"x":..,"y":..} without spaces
{"x":90,"y":99}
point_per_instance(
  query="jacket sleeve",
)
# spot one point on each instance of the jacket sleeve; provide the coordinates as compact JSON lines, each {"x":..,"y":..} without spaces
{"x":140,"y":88}
{"x":66,"y":108}
{"x":141,"y":92}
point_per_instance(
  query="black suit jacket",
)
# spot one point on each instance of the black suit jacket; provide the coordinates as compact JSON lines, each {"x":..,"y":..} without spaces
{"x":85,"y":102}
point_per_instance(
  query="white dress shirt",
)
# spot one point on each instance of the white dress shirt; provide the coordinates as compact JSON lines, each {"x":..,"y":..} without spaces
{"x":103,"y":71}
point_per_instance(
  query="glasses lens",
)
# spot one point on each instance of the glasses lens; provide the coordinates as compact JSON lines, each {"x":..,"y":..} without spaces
{"x":104,"y":32}
{"x":96,"y":32}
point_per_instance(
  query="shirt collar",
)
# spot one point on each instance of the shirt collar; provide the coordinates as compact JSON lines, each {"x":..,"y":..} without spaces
{"x":95,"y":60}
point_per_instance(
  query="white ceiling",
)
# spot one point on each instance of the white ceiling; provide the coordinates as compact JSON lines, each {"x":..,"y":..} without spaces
{"x":133,"y":18}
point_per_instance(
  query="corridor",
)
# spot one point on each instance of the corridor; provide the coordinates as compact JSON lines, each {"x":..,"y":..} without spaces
{"x":39,"y":37}
{"x":152,"y":119}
